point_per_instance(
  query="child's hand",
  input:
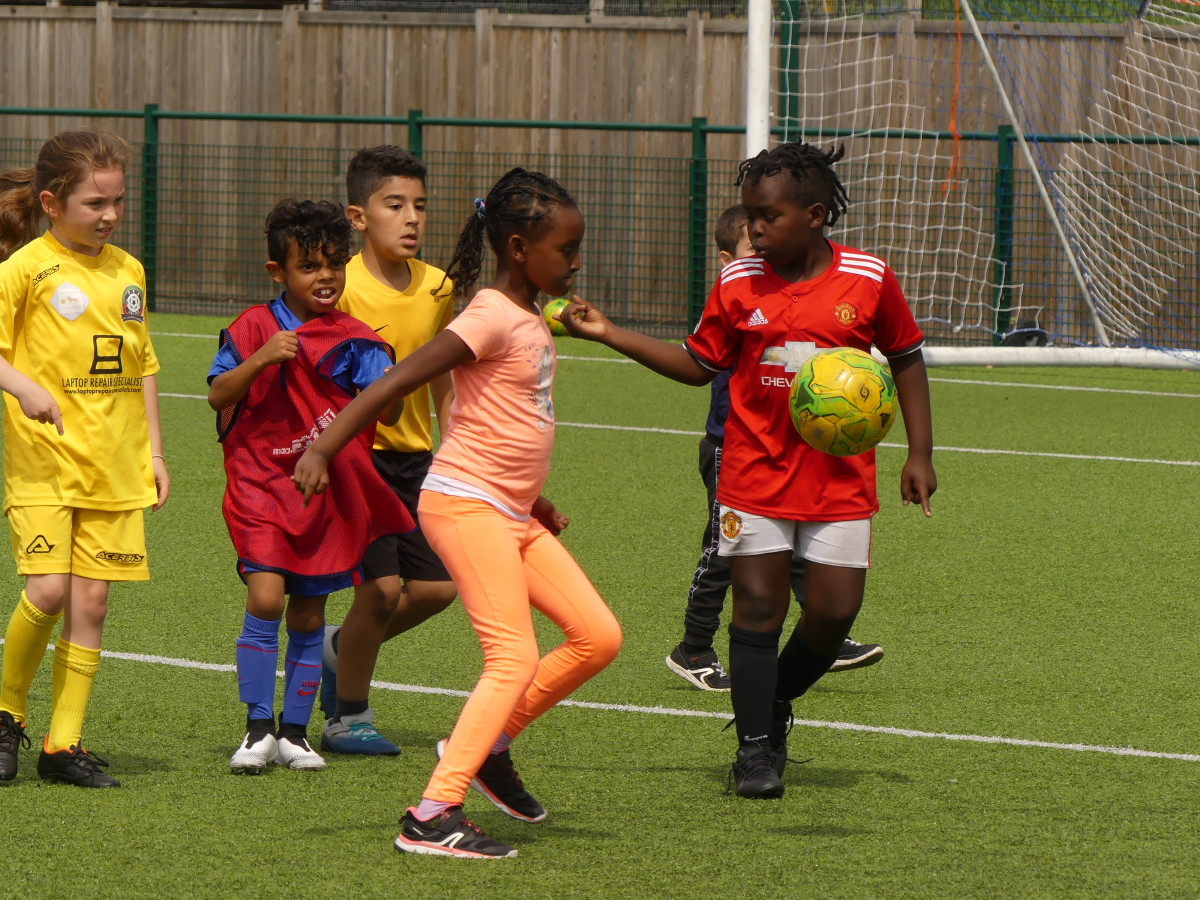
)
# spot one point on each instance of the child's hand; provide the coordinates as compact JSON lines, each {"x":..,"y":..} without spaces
{"x":546,"y":513}
{"x":311,"y":475}
{"x":162,"y":481}
{"x":37,"y":404}
{"x":582,"y":320}
{"x":280,"y":347}
{"x":918,"y":482}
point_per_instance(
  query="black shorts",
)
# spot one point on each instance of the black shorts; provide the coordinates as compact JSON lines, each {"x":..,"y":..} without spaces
{"x":408,"y":555}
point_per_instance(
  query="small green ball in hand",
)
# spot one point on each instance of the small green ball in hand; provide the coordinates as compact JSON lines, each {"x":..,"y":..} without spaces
{"x":552,"y":309}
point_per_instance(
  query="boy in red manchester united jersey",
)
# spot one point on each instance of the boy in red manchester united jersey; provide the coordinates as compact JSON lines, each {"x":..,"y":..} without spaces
{"x":800,"y":293}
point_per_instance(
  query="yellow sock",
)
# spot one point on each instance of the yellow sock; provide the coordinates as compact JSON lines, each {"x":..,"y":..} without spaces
{"x":24,"y":646}
{"x":74,"y":672}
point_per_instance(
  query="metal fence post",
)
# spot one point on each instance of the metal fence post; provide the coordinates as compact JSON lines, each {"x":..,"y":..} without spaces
{"x":1002,"y":254}
{"x":698,"y":275}
{"x":416,"y":139}
{"x":149,"y":223}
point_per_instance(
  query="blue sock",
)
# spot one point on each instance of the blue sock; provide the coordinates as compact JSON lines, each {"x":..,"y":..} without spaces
{"x":301,"y":675}
{"x":257,"y":658}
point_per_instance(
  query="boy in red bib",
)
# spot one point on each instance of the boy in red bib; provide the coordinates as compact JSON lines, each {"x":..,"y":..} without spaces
{"x":284,"y":370}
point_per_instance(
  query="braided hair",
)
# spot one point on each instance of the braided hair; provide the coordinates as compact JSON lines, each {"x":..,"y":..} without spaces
{"x":521,"y":202}
{"x":811,"y":169}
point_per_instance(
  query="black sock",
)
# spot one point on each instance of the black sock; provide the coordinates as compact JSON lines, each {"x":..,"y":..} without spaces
{"x":351,"y":707}
{"x":799,"y":668}
{"x":753,"y":662}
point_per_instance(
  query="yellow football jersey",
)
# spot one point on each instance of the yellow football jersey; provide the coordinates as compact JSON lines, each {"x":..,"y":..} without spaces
{"x":76,"y":325}
{"x":406,"y":320}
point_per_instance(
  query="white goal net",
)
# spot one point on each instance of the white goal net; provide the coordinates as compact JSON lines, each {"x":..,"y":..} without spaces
{"x":1031,"y":170}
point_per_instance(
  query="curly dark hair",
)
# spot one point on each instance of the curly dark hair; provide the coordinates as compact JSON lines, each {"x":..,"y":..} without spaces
{"x":812,"y":172}
{"x":310,"y":225}
{"x":521,"y":202}
{"x":372,"y":166}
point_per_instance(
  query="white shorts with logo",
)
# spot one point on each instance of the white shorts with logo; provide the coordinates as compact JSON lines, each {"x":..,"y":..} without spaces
{"x":831,"y":543}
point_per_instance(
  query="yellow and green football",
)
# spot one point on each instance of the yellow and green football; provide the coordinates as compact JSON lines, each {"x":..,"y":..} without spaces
{"x":842,"y":401}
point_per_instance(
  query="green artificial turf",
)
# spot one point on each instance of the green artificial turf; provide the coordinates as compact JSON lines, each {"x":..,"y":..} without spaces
{"x":1039,"y":617}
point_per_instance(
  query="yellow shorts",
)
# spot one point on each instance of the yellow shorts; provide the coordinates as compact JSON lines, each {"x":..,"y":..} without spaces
{"x":92,"y":543}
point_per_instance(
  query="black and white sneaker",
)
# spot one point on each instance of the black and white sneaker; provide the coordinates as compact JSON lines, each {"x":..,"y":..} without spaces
{"x":856,"y":656}
{"x":499,"y":782}
{"x":753,"y":773}
{"x":75,"y":766}
{"x":449,"y":834}
{"x":12,"y":739}
{"x":702,"y":670}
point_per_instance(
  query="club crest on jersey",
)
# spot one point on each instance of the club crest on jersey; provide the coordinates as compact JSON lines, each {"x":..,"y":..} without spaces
{"x":133,"y":309}
{"x":845,"y":314}
{"x":731,"y":524}
{"x":69,"y":301}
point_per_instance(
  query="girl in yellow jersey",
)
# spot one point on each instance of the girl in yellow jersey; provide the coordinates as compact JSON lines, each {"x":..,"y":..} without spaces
{"x":82,"y":445}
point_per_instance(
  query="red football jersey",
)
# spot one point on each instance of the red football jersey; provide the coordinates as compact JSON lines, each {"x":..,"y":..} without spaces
{"x":764,"y":328}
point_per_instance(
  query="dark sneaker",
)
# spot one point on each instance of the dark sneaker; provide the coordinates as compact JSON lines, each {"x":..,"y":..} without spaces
{"x":449,"y":834}
{"x":258,"y":750}
{"x":702,"y":670}
{"x":499,"y":782}
{"x":856,"y":656}
{"x":328,"y":695}
{"x":12,"y":738}
{"x":753,"y":773}
{"x":75,"y":766}
{"x":781,"y":726}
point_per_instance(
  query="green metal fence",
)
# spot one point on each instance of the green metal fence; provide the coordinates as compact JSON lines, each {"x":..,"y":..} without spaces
{"x":195,"y":214}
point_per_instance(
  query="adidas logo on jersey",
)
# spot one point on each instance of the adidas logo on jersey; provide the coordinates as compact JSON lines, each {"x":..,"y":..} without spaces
{"x":756,"y":318}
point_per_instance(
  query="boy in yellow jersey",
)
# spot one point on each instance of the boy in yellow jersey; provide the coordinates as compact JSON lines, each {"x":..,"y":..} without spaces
{"x":82,"y":446}
{"x":406,"y":302}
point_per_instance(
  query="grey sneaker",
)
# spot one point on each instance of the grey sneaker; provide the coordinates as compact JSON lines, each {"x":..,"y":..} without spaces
{"x":356,"y":735}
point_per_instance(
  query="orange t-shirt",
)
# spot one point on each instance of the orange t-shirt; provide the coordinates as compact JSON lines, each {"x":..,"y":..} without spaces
{"x":501,"y":430}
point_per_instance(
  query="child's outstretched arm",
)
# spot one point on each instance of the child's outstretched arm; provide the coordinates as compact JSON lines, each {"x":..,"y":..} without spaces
{"x":434,"y":358}
{"x":35,"y":400}
{"x":583,"y":320}
{"x":230,"y":387}
{"x":917,"y":480}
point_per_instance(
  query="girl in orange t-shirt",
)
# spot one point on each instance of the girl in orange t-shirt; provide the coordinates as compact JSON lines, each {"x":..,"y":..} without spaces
{"x":481,"y":505}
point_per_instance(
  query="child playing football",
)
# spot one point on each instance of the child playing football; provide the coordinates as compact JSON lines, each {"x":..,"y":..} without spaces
{"x":482,"y":510}
{"x":284,"y":370}
{"x":694,"y":659}
{"x":406,"y":302}
{"x":83,"y":450}
{"x":779,"y":497}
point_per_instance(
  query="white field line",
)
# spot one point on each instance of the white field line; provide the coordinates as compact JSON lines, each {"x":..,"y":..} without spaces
{"x":702,"y":714}
{"x":890,"y":446}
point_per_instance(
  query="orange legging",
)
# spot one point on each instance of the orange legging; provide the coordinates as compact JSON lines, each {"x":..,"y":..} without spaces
{"x":502,"y":568}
